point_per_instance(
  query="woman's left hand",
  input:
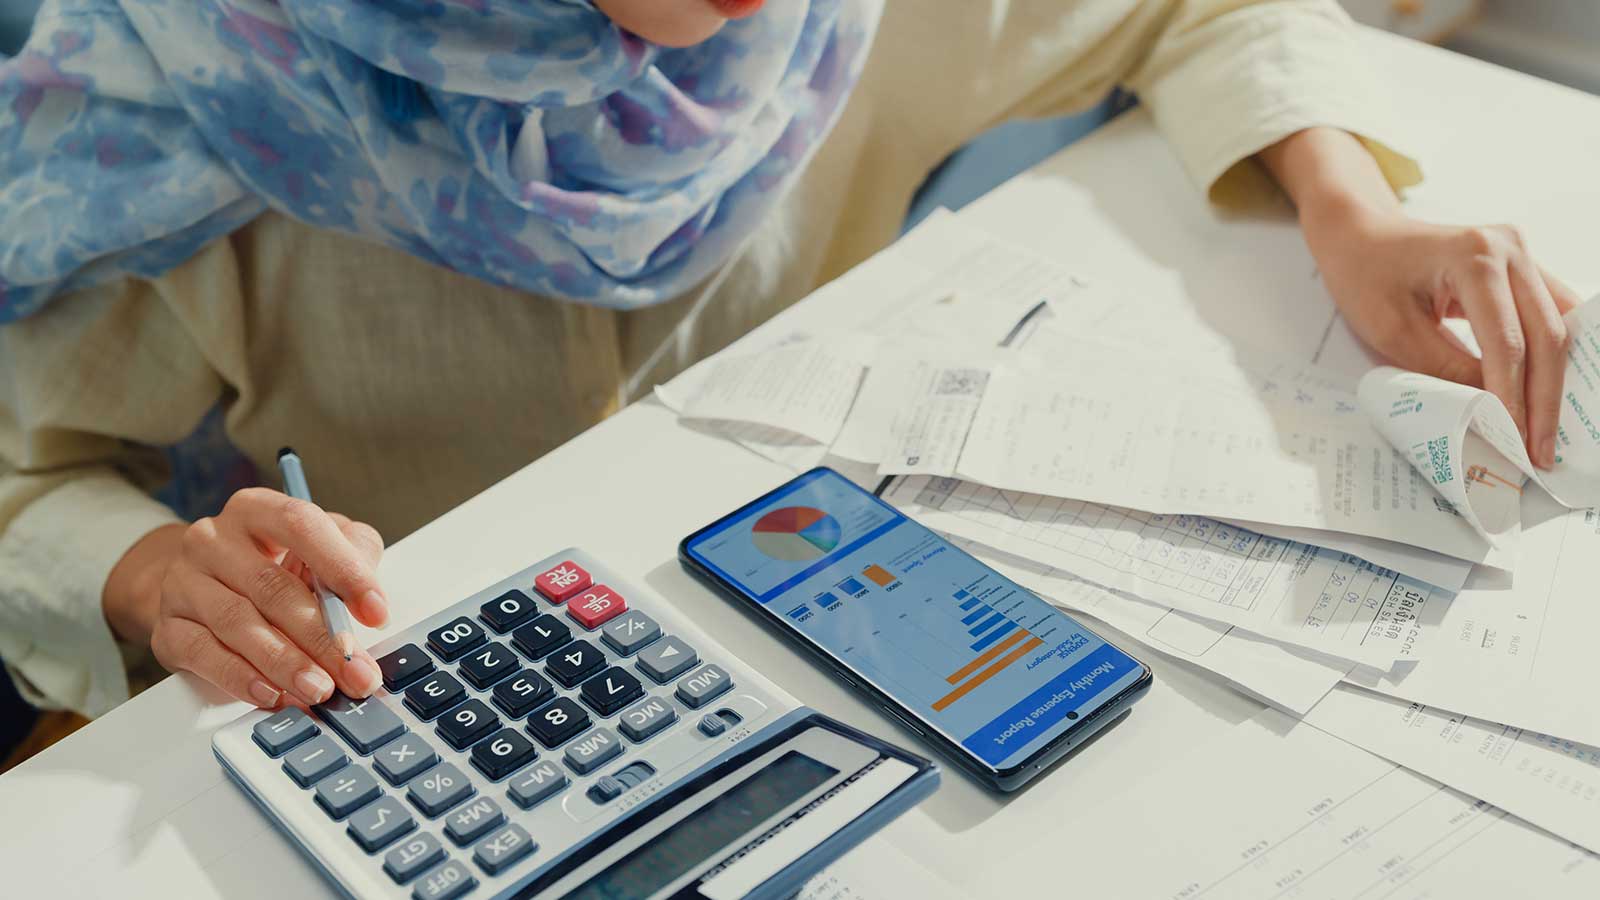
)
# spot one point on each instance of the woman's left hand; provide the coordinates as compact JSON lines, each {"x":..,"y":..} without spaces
{"x":1396,"y":279}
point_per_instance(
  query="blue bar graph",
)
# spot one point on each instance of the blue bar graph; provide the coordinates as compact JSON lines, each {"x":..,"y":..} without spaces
{"x":977,"y":614}
{"x":799,"y":612}
{"x":986,"y":624}
{"x":961,"y":593}
{"x":827,"y":599}
{"x":994,"y":635}
{"x":852,"y":586}
{"x":970,"y":602}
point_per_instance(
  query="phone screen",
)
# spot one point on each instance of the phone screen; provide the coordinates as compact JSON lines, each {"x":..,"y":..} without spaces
{"x":963,"y":648}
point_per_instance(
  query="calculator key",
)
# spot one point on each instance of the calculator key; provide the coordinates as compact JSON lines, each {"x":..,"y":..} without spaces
{"x":467,"y":724}
{"x":562,"y":582}
{"x":282,"y":730}
{"x":629,"y":632}
{"x":310,"y":762}
{"x":596,"y":606}
{"x":346,"y":791}
{"x":417,"y":853}
{"x":435,"y":694}
{"x":488,"y":664}
{"x":447,"y":882}
{"x":711,"y":725}
{"x":365,"y":724}
{"x":452,"y":641}
{"x":593,"y":750}
{"x":404,"y":758}
{"x":507,"y":611}
{"x":610,"y":691}
{"x":502,"y":754}
{"x":472,"y":820}
{"x":667,"y":659}
{"x":645,"y":718}
{"x":380,"y":824}
{"x":574,"y":663}
{"x":404,"y":666}
{"x":499,"y":850}
{"x":703,"y":685}
{"x":438,"y":789}
{"x":519,"y":695}
{"x":555,"y":723}
{"x":537,"y":783}
{"x":544,"y":634}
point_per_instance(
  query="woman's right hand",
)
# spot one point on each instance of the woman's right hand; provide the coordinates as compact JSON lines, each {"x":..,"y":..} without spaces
{"x":227,"y":598}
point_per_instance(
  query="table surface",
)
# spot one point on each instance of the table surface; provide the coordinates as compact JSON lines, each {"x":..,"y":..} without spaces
{"x":134,"y":805}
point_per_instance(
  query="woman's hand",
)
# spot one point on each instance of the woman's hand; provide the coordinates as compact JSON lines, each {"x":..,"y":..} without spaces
{"x":1396,"y":279}
{"x":228,"y":598}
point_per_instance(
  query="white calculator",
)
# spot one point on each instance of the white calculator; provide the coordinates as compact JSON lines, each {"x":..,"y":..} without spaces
{"x":564,"y":734}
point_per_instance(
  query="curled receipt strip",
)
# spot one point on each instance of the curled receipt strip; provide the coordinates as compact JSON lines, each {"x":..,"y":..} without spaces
{"x":1465,"y":443}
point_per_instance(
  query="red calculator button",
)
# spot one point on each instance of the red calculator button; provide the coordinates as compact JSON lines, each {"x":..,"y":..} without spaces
{"x":563,"y":582}
{"x":598,"y":605}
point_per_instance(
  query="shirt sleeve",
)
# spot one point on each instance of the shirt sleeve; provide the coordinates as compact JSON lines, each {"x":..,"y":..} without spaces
{"x":1225,"y":79}
{"x":73,"y":479}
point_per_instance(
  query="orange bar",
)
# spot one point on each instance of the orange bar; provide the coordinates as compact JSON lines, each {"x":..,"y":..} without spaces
{"x":988,"y":654}
{"x":879,"y":574}
{"x":985,"y":675}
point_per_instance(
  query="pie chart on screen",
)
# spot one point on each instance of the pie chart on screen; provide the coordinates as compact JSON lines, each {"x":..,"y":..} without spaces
{"x":796,"y":533}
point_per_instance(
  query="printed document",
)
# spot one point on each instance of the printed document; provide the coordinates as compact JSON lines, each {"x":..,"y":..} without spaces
{"x":1520,"y":648}
{"x":1272,"y":809}
{"x":1547,"y":781}
{"x":1322,"y":600}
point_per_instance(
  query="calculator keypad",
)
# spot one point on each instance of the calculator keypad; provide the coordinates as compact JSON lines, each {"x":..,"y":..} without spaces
{"x":585,"y":700}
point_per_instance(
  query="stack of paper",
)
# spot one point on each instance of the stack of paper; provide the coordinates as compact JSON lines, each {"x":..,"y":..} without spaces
{"x":1379,"y":557}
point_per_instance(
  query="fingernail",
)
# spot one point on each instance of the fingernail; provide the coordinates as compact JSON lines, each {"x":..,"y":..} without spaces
{"x":314,"y":685}
{"x":265,"y":695}
{"x":362,"y":674}
{"x":376,"y":602}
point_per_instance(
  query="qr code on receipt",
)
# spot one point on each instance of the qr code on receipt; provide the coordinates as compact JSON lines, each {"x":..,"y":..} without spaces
{"x":960,"y":382}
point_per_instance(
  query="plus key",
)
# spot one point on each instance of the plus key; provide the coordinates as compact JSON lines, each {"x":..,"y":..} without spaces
{"x":596,"y":606}
{"x":562,"y":583}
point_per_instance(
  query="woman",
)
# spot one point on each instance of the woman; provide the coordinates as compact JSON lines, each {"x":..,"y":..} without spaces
{"x":351,"y":228}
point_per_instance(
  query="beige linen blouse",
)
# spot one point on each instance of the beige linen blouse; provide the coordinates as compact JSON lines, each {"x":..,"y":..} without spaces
{"x":412,"y":387}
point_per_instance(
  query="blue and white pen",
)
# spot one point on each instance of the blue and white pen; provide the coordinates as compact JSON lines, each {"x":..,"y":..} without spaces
{"x":334,"y":613}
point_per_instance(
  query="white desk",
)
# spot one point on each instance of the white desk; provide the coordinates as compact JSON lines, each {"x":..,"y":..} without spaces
{"x":135,"y":806}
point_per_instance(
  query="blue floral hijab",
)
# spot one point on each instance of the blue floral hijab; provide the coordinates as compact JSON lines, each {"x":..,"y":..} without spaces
{"x":530,"y":143}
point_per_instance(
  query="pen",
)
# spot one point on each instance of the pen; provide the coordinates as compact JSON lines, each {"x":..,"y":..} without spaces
{"x":334,"y":613}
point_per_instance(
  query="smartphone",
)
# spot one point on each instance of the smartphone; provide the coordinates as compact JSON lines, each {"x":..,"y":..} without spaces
{"x":1001,"y":682}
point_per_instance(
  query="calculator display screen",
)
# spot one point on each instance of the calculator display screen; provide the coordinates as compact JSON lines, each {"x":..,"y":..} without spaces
{"x":709,"y":830}
{"x":965,"y":649}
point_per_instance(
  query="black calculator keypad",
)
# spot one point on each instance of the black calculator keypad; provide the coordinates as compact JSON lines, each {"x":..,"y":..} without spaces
{"x":574,"y":663}
{"x":488,"y":664}
{"x":503,"y":753}
{"x":434,"y":694}
{"x":517,"y":696}
{"x":452,"y":641}
{"x":611,"y":690}
{"x":403,"y":667}
{"x":467,"y":724}
{"x":507,"y":611}
{"x":540,"y":636}
{"x":553,"y":725}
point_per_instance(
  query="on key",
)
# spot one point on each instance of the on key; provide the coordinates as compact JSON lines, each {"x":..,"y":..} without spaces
{"x":365,"y":724}
{"x":562,"y":582}
{"x":404,"y":666}
{"x":452,"y":641}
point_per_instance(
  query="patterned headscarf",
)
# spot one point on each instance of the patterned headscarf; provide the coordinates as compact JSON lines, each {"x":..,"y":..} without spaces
{"x":530,"y":143}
